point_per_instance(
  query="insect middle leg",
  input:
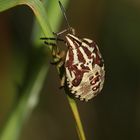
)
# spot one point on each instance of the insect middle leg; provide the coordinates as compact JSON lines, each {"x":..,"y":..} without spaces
{"x":52,"y":38}
{"x":58,"y":57}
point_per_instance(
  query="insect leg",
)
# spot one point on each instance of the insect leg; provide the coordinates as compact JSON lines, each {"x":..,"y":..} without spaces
{"x":50,"y":43}
{"x":59,"y":59}
{"x":59,"y":62}
{"x":54,"y":45}
{"x":62,"y":82}
{"x":51,"y":38}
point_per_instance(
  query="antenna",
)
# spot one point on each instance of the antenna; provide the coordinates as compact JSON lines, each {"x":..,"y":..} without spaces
{"x":64,"y":14}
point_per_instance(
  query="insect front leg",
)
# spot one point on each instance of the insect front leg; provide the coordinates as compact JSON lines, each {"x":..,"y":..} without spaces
{"x":62,"y":74}
{"x":60,"y":67}
{"x":58,"y":57}
{"x":55,"y":50}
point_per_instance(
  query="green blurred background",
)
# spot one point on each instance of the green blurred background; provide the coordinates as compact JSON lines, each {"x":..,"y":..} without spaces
{"x":112,"y":115}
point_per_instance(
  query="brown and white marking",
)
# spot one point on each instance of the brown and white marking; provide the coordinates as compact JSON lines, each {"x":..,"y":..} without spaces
{"x":84,"y":67}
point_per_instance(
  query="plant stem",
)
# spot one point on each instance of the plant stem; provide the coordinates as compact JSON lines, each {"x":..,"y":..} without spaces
{"x":25,"y":105}
{"x":76,"y":115}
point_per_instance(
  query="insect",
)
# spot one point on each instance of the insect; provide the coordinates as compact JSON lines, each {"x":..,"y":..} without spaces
{"x":83,"y":64}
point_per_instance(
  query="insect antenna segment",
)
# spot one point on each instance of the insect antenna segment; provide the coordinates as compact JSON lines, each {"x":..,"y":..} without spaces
{"x":64,"y":14}
{"x":66,"y":19}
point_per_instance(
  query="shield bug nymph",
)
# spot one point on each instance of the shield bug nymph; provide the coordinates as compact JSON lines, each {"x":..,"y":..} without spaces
{"x":83,"y":63}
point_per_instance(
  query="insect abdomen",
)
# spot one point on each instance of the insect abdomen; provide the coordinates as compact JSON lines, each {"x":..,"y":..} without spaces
{"x":84,"y":68}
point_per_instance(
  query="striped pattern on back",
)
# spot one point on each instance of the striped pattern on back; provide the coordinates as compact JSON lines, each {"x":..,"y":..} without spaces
{"x":84,"y":67}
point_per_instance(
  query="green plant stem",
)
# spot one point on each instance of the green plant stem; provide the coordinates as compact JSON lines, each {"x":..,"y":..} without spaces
{"x":41,"y":16}
{"x":76,"y":115}
{"x":6,"y":4}
{"x":25,"y":105}
{"x":29,"y":100}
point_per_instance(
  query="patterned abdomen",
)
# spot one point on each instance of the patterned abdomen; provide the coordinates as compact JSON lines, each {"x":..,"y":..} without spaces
{"x":84,"y":68}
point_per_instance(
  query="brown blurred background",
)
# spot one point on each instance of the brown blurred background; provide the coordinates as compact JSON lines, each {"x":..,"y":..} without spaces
{"x":112,"y":115}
